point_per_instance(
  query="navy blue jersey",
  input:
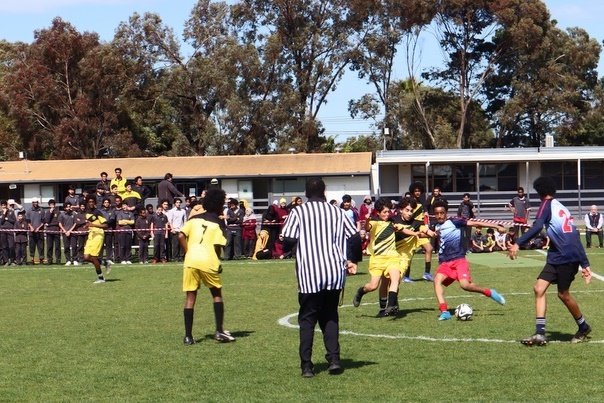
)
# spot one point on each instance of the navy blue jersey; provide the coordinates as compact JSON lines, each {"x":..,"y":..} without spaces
{"x":565,"y":244}
{"x":451,"y":240}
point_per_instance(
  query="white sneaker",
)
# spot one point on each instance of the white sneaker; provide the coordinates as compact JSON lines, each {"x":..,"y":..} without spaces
{"x":124,"y":262}
{"x":107,"y":264}
{"x":68,"y":263}
{"x":98,"y":281}
{"x":76,"y":263}
{"x":128,"y":262}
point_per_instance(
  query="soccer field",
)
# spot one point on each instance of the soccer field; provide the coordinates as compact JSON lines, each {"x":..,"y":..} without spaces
{"x":64,"y":338}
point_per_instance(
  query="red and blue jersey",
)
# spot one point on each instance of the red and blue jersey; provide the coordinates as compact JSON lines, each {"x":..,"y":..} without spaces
{"x":451,"y":240}
{"x":565,"y":243}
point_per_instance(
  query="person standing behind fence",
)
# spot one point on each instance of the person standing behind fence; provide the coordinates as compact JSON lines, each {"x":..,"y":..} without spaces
{"x":35,"y":220}
{"x":143,"y":233}
{"x":67,"y":225}
{"x":366,"y":210}
{"x":520,"y":206}
{"x":81,"y":229}
{"x":159,"y":233}
{"x":249,"y":233}
{"x":328,"y":246}
{"x":234,"y":221}
{"x":20,"y":239}
{"x":466,"y":211}
{"x":7,"y":236}
{"x":53,"y":234}
{"x":125,"y":224}
{"x":108,"y":213}
{"x":176,"y":219}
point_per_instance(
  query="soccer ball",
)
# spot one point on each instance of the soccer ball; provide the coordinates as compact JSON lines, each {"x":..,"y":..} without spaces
{"x":464,"y":312}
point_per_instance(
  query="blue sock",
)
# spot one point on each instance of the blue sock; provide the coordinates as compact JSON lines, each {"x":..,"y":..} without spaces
{"x":581,"y":323}
{"x":540,"y":323}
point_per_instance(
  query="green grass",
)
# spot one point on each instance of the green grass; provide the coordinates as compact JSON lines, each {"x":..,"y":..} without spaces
{"x":63,"y":338}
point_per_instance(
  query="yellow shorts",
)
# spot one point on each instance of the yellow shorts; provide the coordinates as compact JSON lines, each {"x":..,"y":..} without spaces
{"x":192,"y":279}
{"x":94,"y":244}
{"x":403,"y":263}
{"x":422,"y":241}
{"x":380,"y":266}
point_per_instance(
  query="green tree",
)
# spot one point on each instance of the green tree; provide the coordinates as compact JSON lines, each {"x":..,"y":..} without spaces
{"x":439,"y":112}
{"x":305,"y":47}
{"x":545,"y":80}
{"x":61,"y":93}
{"x":386,"y":25}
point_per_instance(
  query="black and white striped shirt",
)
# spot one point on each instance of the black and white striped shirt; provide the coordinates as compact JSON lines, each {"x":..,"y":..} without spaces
{"x":322,"y":231}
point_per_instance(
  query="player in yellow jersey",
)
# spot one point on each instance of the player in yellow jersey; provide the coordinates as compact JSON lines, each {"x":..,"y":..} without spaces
{"x":410,"y":232}
{"x":384,"y":260}
{"x":417,"y":191}
{"x":96,"y":224}
{"x":202,"y":239}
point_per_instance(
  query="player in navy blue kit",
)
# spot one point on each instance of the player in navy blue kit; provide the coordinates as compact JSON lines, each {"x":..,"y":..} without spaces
{"x":452,"y":262}
{"x":564,"y":257}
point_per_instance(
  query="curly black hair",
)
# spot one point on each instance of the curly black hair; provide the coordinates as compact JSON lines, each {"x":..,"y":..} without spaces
{"x":214,"y":201}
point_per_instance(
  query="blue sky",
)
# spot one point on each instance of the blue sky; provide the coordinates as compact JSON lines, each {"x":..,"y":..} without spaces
{"x":20,"y":18}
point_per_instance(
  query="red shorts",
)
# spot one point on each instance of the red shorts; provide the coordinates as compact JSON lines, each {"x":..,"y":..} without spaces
{"x":455,"y":270}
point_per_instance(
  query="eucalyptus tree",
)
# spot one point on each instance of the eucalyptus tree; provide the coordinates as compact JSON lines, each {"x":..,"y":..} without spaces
{"x":388,"y":24}
{"x":545,"y":81}
{"x":304,"y":47}
{"x":60,"y":93}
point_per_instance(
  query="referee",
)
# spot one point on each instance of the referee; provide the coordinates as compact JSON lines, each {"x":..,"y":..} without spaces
{"x":328,"y":247}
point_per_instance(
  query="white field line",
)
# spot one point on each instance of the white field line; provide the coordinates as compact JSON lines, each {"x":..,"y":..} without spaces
{"x":285,"y":321}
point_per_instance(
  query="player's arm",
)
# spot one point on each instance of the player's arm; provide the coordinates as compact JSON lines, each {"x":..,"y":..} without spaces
{"x":182,"y":240}
{"x":527,"y":236}
{"x":482,"y":224}
{"x":426,"y":232}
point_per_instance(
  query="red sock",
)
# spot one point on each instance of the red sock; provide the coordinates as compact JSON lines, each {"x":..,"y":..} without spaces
{"x":487,"y":292}
{"x":443,"y":307}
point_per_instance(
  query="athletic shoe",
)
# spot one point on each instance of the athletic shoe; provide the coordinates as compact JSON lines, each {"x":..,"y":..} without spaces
{"x":223,"y":337}
{"x":356,"y":301}
{"x":446,"y":315}
{"x":307,"y":373}
{"x":128,"y":262}
{"x":335,"y":368}
{"x":110,"y":262}
{"x":428,"y":277}
{"x":407,"y":280}
{"x":154,"y":261}
{"x":391,"y":310}
{"x":535,"y":340}
{"x":68,"y":263}
{"x":124,"y":262}
{"x":381,"y":313}
{"x":498,"y":298}
{"x":107,"y":264}
{"x":188,"y":341}
{"x":581,"y":335}
{"x":99,"y":281}
{"x":76,"y":263}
